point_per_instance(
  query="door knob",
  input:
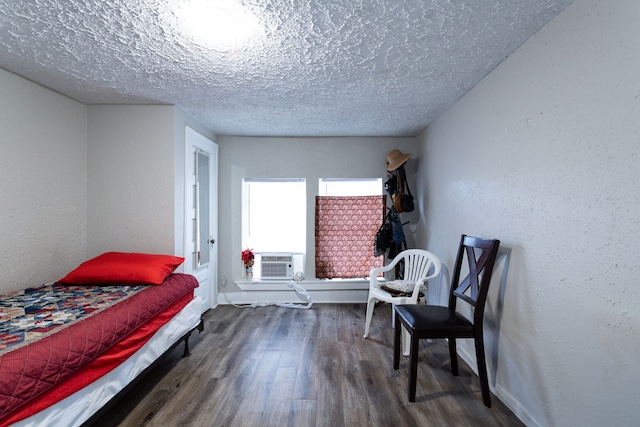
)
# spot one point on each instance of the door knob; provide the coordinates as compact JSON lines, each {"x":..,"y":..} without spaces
{"x":212,"y":241}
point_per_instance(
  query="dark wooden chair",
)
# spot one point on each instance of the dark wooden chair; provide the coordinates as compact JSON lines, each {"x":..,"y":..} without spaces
{"x":431,"y":321}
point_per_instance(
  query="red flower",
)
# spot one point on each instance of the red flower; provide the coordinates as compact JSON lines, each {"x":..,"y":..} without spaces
{"x":247,"y":256}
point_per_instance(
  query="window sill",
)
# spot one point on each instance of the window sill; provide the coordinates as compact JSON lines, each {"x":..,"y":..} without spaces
{"x":310,"y":285}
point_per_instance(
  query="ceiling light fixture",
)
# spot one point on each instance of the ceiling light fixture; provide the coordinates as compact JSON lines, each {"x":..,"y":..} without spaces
{"x":221,"y":25}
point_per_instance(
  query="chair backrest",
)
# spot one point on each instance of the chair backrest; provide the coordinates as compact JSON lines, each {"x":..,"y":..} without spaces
{"x":480,"y":255}
{"x":418,"y":264}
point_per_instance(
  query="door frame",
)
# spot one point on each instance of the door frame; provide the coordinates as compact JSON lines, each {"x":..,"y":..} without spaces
{"x":207,"y":276}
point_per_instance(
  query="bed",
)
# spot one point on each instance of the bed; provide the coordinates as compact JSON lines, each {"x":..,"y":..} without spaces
{"x":69,"y":348}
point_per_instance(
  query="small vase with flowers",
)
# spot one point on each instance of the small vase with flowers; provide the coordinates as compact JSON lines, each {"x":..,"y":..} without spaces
{"x":248,"y":260}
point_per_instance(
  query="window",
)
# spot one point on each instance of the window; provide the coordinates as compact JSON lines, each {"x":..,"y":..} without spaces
{"x":274,"y":215}
{"x":350,"y":187}
{"x":348,"y":214}
{"x":274,"y":219}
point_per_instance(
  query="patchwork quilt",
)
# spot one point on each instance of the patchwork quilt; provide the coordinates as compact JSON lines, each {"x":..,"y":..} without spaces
{"x":49,"y":332}
{"x":32,"y":313}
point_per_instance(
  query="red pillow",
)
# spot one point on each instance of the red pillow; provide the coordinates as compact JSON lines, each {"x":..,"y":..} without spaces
{"x":123,"y":268}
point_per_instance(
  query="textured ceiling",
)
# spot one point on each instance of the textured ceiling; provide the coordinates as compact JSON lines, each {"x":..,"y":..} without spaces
{"x":308,"y":68}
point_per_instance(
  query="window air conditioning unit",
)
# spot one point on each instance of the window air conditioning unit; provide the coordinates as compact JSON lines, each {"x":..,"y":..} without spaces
{"x":276,"y":266}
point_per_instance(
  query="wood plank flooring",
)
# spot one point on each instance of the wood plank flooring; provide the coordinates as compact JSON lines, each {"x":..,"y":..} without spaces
{"x":275,"y":366}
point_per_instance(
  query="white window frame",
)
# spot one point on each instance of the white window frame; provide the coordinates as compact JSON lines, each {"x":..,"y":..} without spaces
{"x":349,"y":187}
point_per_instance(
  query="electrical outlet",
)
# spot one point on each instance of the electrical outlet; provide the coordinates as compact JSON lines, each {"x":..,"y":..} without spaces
{"x":224,"y":280}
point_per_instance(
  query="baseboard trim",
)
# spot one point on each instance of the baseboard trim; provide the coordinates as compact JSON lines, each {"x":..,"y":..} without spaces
{"x":287,"y":295}
{"x":309,"y":285}
{"x":500,"y":392}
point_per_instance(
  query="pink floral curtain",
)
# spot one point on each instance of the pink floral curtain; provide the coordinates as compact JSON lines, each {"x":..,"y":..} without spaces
{"x":345,"y":230}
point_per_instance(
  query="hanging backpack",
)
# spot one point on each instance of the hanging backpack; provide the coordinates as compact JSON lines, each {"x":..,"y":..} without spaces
{"x":384,"y":237}
{"x":403,"y":202}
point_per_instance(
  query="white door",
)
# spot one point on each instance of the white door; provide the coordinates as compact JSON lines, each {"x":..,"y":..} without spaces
{"x":201,"y":222}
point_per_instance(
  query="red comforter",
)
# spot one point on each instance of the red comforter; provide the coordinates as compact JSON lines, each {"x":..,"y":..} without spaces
{"x":32,"y":369}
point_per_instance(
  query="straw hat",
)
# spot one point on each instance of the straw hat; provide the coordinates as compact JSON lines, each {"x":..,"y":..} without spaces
{"x":395,"y":159}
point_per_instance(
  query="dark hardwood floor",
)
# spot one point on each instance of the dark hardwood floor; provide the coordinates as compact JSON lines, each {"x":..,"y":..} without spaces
{"x":274,"y":366}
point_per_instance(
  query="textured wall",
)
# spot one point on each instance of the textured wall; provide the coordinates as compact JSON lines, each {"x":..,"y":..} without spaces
{"x":127,"y":182}
{"x":43,"y":187}
{"x":131,"y":192}
{"x":310,"y":158}
{"x":543,"y":154}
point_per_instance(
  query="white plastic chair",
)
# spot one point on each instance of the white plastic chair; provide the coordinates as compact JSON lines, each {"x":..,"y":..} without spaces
{"x":419,"y":267}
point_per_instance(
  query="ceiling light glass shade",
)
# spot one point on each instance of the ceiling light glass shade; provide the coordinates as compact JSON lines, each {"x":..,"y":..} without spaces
{"x":221,"y":25}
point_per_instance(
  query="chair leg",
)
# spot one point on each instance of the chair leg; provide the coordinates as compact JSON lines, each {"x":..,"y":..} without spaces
{"x":393,"y":318}
{"x":396,"y":344}
{"x":406,"y":339}
{"x":453,"y":355}
{"x":370,"y":306}
{"x":413,"y":368}
{"x":482,"y":371}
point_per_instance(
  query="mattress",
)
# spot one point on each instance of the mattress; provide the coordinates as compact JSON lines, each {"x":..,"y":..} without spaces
{"x":80,"y":406}
{"x":65,"y":329}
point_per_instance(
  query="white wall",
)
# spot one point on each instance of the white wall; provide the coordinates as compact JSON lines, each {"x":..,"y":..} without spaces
{"x":544,"y":155}
{"x":76,"y":181}
{"x":43,"y":186}
{"x":136,"y":178}
{"x":131,"y":179}
{"x":310,"y":158}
